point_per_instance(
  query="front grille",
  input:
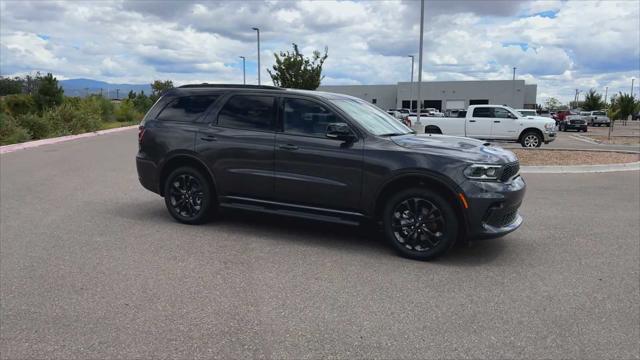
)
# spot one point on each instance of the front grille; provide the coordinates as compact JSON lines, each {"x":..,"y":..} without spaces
{"x":509,"y":171}
{"x":576,"y":122}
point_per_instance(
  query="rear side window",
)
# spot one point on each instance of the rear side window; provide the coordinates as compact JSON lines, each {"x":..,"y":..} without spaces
{"x":482,"y":112}
{"x":186,"y":108}
{"x":304,"y":117}
{"x":248,"y":112}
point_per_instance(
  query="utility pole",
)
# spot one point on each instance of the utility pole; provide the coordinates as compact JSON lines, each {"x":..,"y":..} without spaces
{"x":632,"y":80}
{"x":258,"y":31}
{"x":418,"y":124}
{"x":606,"y":92}
{"x":117,"y":94}
{"x":244,"y":73}
{"x":411,"y":88}
{"x":100,"y":92}
{"x":513,"y":89}
{"x":514,"y":73}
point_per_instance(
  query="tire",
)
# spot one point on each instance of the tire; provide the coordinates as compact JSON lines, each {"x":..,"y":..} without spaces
{"x":609,"y":125}
{"x":437,"y":231}
{"x":532,"y":139}
{"x":189,"y":187}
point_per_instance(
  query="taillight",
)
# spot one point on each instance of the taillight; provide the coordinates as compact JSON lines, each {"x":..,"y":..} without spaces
{"x":141,"y":131}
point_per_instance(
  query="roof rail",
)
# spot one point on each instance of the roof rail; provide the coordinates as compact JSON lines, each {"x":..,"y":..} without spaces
{"x":237,"y":86}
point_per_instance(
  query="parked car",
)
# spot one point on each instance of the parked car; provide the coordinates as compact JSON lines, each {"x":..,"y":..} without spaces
{"x":327,"y":157}
{"x":598,"y":118}
{"x":396,"y":114}
{"x":452,"y":112}
{"x":527,"y":112}
{"x":573,"y":122}
{"x":561,"y":115}
{"x":493,"y":122}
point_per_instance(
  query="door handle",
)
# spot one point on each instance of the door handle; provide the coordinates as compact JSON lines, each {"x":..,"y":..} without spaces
{"x":288,"y":147}
{"x":496,"y":121}
{"x":472,"y":121}
{"x":208,"y":138}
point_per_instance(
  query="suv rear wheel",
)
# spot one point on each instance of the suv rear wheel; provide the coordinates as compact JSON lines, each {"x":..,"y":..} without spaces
{"x":188,"y":196}
{"x":420,"y":224}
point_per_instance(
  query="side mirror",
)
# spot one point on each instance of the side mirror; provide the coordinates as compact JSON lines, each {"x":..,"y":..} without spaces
{"x":339,"y":131}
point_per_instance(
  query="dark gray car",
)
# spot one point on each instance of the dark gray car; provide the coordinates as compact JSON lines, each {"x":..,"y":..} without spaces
{"x":328,"y":157}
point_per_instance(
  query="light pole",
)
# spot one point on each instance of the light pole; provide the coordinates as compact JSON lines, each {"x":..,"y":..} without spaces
{"x":514,"y":73}
{"x":411,"y":88}
{"x":606,"y":92}
{"x":418,"y":124}
{"x":258,"y":31}
{"x":513,"y":90}
{"x":244,"y":73}
{"x":632,"y":80}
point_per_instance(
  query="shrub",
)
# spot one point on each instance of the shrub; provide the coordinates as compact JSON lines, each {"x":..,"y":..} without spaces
{"x":126,"y":112}
{"x":19,"y":104}
{"x":66,"y":119}
{"x":10,"y":131}
{"x":37,"y":126}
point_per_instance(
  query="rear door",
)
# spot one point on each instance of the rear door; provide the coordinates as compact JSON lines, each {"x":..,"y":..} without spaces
{"x":480,"y":122}
{"x":238,"y":145}
{"x":311,"y":169}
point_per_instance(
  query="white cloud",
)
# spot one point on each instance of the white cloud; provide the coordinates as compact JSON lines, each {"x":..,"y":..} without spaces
{"x":560,"y":45}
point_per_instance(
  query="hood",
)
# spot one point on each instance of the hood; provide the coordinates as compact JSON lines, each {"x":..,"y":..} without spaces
{"x":462,"y":148}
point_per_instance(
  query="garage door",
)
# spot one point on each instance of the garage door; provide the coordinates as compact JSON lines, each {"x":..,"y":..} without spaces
{"x":455,"y":105}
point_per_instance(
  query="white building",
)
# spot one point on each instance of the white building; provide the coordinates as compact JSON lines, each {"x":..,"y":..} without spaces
{"x":444,"y":95}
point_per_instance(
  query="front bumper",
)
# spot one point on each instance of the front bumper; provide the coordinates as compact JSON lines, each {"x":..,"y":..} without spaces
{"x":549,"y":136}
{"x":493,"y":207}
{"x":575,"y":126}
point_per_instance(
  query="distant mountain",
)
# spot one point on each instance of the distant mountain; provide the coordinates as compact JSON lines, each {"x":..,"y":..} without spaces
{"x":82,"y":87}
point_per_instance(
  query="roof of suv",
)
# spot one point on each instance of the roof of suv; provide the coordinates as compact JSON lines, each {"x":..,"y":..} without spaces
{"x":204,"y":88}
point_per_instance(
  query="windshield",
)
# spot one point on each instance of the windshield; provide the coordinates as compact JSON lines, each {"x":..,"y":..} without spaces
{"x":371,"y":118}
{"x":599,"y":113}
{"x":528,"y":112}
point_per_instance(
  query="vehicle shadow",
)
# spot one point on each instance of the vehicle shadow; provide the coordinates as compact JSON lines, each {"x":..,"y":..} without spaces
{"x":367,"y":238}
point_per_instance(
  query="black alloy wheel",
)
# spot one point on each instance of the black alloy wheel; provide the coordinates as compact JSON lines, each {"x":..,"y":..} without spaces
{"x":188,"y":196}
{"x":420,"y":224}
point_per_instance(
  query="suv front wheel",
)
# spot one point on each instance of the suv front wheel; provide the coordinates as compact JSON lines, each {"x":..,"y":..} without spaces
{"x":188,"y":196}
{"x":420,"y":224}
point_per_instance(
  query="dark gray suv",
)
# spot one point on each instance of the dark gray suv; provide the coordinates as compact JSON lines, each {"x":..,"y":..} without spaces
{"x":327,"y":157}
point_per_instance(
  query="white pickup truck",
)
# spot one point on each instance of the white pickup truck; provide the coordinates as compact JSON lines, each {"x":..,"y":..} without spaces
{"x":491,"y":122}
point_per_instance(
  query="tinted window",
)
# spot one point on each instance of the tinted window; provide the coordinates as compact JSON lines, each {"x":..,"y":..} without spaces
{"x":306,"y":117}
{"x":186,"y":108}
{"x":599,"y":113}
{"x":482,"y":112}
{"x":248,"y":112}
{"x":501,"y":113}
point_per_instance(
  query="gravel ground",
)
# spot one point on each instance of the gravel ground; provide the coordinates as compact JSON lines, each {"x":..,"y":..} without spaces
{"x":559,"y":157}
{"x":618,"y":140}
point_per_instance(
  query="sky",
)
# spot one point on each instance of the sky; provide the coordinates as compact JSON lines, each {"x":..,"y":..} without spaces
{"x":558,"y":45}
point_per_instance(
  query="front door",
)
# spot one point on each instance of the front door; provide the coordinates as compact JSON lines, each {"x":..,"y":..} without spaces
{"x":480,"y":122}
{"x":506,"y":125}
{"x":311,"y":169}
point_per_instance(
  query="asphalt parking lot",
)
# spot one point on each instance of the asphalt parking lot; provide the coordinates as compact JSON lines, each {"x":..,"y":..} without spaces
{"x":92,"y":266}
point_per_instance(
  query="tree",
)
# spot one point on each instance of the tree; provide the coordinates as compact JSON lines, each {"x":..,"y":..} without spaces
{"x":293,"y":70}
{"x":552,"y":104}
{"x":622,"y":105}
{"x":9,"y":86}
{"x":49,"y":94}
{"x":159,"y":87}
{"x":592,"y":101}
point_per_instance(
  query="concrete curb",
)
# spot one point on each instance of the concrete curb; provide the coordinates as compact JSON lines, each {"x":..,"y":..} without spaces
{"x":32,"y":144}
{"x":570,"y":149}
{"x":579,"y":169}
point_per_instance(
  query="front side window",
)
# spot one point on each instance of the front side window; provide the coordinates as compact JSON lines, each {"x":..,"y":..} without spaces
{"x":501,"y":113}
{"x":482,"y":112}
{"x":248,"y":112}
{"x":304,"y":117}
{"x":186,"y":108}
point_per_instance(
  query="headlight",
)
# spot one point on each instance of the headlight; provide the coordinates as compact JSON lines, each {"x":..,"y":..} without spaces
{"x":483,"y":172}
{"x":549,"y":126}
